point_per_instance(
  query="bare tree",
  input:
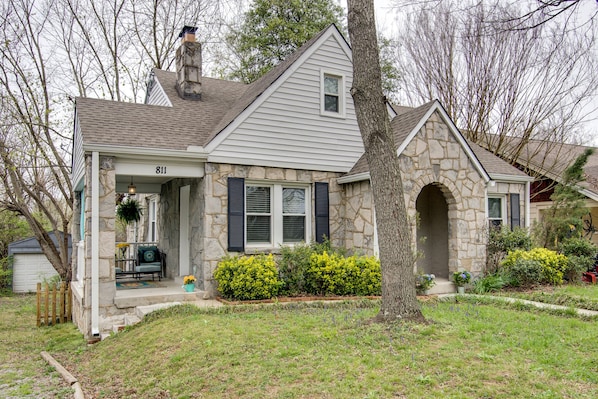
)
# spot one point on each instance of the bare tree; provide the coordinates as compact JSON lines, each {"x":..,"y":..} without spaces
{"x":34,"y":178}
{"x":398,"y":282}
{"x":503,"y":87}
{"x":54,"y":49}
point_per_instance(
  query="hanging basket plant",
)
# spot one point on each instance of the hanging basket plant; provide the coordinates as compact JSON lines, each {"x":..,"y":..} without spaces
{"x":129,"y":211}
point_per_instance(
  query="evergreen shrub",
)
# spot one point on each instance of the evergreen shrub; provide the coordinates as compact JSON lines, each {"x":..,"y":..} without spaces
{"x":546,"y":266}
{"x":248,"y":277}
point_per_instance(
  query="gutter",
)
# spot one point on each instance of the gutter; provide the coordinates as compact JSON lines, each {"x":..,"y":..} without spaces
{"x":192,"y":152}
{"x":353,"y":178}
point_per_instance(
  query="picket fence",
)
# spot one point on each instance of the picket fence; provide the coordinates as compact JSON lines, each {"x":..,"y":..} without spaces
{"x":54,"y":305}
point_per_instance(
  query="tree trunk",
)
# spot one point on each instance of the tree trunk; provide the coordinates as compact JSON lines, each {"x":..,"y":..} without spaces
{"x":394,"y":234}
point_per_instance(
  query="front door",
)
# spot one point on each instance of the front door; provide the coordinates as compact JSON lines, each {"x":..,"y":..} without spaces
{"x":432,"y":232}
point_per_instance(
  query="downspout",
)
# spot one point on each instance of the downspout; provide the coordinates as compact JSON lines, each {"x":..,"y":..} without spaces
{"x":527,"y":204}
{"x":95,"y":243}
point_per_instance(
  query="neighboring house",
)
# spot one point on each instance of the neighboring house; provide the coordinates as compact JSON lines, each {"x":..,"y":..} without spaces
{"x":548,"y":161}
{"x":238,"y":168}
{"x":30,"y":265}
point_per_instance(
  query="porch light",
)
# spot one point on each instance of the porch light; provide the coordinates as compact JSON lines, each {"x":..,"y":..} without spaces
{"x":132,"y":188}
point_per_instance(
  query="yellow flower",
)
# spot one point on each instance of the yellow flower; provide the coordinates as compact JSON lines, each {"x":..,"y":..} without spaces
{"x":189,"y":279}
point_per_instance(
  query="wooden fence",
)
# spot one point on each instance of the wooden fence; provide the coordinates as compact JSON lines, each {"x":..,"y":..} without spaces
{"x":54,"y":305}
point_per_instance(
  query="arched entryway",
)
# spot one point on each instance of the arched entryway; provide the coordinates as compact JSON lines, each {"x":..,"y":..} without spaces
{"x":433,"y":232}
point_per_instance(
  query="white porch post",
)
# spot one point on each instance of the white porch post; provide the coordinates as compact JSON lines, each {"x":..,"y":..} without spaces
{"x":95,"y":243}
{"x":527,"y":204}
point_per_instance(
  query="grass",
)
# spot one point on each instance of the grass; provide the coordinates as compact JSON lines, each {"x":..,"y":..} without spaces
{"x":578,"y":296}
{"x":468,"y":349}
{"x":23,"y":373}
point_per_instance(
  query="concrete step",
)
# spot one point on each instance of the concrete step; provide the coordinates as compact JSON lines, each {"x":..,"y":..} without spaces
{"x":443,"y":286}
{"x":141,"y":311}
{"x":157,"y":297}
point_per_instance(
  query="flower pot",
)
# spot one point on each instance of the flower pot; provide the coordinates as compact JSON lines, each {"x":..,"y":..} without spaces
{"x":189,"y":287}
{"x":461,"y":290}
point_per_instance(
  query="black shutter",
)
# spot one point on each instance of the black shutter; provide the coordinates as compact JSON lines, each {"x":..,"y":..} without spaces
{"x":321,"y":211}
{"x":236,"y":214}
{"x":515,"y":211}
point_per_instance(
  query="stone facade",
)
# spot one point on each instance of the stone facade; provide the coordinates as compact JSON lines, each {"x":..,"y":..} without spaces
{"x":433,"y":157}
{"x":215,"y":237}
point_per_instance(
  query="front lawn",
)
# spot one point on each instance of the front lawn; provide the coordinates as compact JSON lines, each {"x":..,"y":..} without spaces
{"x":583,"y":296}
{"x":467,"y":350}
{"x":314,"y":351}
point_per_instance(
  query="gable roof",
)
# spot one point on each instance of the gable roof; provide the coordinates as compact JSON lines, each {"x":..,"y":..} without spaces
{"x":124,"y":124}
{"x":261,"y":88}
{"x":550,"y":159}
{"x":406,"y":125}
{"x":186,"y":123}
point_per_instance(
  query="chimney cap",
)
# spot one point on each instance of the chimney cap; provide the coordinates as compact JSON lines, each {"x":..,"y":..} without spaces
{"x":188,"y":29}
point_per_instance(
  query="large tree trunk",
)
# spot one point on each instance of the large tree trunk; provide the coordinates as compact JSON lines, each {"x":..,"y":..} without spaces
{"x":394,"y":234}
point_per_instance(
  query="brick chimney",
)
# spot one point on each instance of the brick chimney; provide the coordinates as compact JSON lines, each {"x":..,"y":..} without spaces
{"x":188,"y":65}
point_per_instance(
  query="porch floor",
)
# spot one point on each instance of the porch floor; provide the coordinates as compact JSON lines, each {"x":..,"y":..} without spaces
{"x":443,"y":286}
{"x":168,"y":292}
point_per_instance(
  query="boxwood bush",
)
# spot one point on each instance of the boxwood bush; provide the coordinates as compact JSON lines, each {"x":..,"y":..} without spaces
{"x":339,"y":275}
{"x":248,"y":277}
{"x":545,"y":265}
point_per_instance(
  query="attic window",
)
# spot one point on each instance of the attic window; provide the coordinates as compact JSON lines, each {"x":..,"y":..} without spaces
{"x":332,"y":98}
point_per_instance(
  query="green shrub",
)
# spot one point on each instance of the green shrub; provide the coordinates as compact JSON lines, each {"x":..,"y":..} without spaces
{"x":339,"y":275}
{"x":502,"y":241}
{"x":578,"y":247}
{"x":581,"y":255}
{"x":489,"y":283}
{"x":552,"y":265}
{"x":295,"y":261}
{"x":6,"y":274}
{"x":248,"y":277}
{"x":525,"y":272}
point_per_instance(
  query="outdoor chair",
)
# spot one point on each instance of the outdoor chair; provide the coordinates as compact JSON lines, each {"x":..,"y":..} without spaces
{"x":150,"y":260}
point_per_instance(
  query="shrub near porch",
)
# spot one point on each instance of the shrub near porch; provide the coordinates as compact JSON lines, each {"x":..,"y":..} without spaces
{"x":305,"y":270}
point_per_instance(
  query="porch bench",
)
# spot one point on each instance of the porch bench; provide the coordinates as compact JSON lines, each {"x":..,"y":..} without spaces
{"x":150,"y":260}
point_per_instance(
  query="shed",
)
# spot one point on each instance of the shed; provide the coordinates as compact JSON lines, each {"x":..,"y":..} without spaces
{"x":30,"y":265}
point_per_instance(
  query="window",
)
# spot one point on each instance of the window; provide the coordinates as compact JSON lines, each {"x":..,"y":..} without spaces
{"x":152,"y":231}
{"x":275,"y":214}
{"x":495,"y":211}
{"x":332,"y":95}
{"x":259,"y":215}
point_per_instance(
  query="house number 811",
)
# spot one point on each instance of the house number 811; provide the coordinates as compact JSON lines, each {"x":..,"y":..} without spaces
{"x":160,"y":170}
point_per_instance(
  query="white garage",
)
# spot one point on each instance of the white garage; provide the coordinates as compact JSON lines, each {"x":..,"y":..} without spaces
{"x":30,"y":265}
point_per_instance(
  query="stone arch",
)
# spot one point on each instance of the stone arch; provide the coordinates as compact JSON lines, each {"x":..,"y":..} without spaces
{"x":437,"y":202}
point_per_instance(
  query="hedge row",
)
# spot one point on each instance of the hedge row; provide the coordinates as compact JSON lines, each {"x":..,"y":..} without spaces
{"x":303,"y":270}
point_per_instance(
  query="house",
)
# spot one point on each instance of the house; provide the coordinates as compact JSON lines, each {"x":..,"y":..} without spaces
{"x":236,"y":168}
{"x":30,"y":265}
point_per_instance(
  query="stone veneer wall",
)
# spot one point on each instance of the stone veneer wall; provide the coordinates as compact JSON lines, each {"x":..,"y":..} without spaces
{"x":359,"y":217}
{"x":107,"y":287}
{"x":434,"y":156}
{"x":216,"y":206}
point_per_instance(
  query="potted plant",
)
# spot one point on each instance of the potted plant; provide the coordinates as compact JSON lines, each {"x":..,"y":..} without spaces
{"x":423,"y":283}
{"x":461,"y":279}
{"x":129,"y":211}
{"x":189,"y":283}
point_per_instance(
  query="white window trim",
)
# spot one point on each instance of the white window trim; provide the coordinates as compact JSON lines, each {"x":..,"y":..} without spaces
{"x":503,"y":210}
{"x":276,"y":214}
{"x":152,"y":217}
{"x":341,"y":94}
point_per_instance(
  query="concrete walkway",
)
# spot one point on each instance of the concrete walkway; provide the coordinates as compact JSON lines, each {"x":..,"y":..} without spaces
{"x":541,"y":305}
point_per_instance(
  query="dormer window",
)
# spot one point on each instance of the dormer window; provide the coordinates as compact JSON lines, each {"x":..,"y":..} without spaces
{"x":332,"y":95}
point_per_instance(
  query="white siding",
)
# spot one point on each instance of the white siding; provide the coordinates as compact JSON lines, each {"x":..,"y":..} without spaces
{"x":157,"y":96}
{"x":287,"y":129}
{"x":78,"y":157}
{"x":30,"y":269}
